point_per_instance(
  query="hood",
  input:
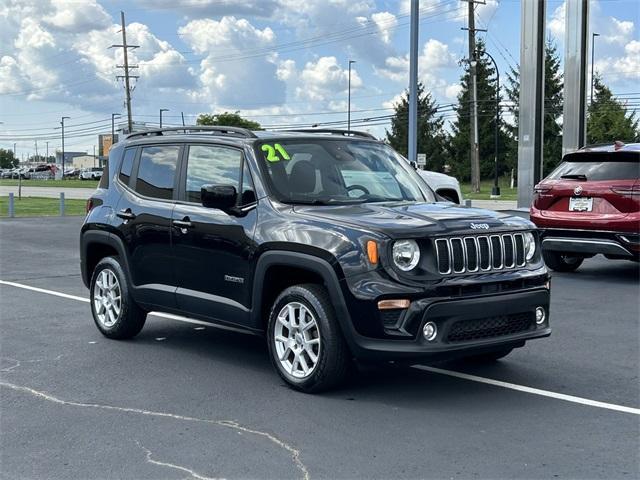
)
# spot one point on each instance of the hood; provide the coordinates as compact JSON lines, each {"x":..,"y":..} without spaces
{"x":415,"y":219}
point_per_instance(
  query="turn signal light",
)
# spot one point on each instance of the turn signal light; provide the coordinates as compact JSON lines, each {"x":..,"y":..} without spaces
{"x":372,"y":252}
{"x":393,"y":304}
{"x":89,"y":205}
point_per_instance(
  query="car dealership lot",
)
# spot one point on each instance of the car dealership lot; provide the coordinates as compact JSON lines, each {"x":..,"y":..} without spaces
{"x":183,"y":401}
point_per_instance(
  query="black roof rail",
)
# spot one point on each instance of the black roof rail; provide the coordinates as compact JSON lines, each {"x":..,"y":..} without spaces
{"x":220,"y":130}
{"x":345,"y":133}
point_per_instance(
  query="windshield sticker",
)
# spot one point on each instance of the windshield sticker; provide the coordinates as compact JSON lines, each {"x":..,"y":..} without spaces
{"x":271,"y":152}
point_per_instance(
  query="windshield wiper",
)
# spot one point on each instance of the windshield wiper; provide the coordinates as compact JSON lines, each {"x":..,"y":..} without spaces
{"x":575,"y":176}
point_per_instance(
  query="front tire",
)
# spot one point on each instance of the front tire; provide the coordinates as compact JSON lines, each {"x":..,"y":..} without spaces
{"x":561,"y":262}
{"x":115,"y":313}
{"x":305,"y":341}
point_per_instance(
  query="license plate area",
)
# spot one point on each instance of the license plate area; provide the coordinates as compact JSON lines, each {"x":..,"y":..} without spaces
{"x":580,"y":204}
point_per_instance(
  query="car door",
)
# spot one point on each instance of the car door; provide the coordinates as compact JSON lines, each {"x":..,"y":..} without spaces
{"x":148,"y":177}
{"x":214,"y":249}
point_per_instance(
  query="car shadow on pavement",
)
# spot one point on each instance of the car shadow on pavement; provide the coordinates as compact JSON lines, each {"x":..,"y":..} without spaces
{"x":613,"y":271}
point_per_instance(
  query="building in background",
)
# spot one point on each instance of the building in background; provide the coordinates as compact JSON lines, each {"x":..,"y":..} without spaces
{"x":105,"y":141}
{"x":68,"y":157}
{"x":85,"y":161}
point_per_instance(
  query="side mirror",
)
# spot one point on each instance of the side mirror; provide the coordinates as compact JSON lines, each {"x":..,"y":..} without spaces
{"x":222,"y":197}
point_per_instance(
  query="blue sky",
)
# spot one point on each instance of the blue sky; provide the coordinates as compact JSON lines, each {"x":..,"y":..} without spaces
{"x":280,"y":62}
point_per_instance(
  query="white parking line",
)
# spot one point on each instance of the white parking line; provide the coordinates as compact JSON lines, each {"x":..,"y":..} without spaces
{"x":450,"y":373}
{"x":534,"y":391}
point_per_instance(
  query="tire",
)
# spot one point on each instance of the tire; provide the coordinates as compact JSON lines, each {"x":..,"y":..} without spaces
{"x":115,"y":319}
{"x":489,"y":357}
{"x":561,"y":262}
{"x":318,"y":334}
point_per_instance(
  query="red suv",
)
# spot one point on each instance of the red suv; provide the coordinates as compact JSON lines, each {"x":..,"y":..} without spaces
{"x":590,"y":204}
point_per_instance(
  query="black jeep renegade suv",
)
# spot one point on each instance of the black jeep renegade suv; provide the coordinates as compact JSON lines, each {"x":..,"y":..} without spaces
{"x":327,"y":242}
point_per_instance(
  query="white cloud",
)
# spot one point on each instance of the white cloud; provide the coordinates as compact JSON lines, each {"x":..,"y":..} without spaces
{"x":323,"y":79}
{"x":214,"y":8}
{"x":556,"y":24}
{"x":228,"y":74}
{"x":434,"y":56}
{"x":77,"y":17}
{"x":386,"y":23}
{"x":621,"y":69}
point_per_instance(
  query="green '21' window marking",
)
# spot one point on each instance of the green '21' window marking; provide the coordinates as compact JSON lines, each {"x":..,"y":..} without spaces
{"x":271,"y":152}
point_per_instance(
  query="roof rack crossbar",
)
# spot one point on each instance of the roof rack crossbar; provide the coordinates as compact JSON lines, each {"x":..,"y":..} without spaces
{"x":345,"y":133}
{"x":221,"y":130}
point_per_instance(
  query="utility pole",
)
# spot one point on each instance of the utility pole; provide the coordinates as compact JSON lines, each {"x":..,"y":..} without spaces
{"x":182,"y":113}
{"x":349,"y":98}
{"x":47,"y":160}
{"x":126,"y":67}
{"x":473,"y":104}
{"x":62,"y":123}
{"x":94,"y":156}
{"x":413,"y":83}
{"x":37,"y":156}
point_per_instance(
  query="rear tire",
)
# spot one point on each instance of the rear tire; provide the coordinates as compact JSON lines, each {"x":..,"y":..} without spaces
{"x":115,"y":313}
{"x":305,"y":341}
{"x":561,"y":262}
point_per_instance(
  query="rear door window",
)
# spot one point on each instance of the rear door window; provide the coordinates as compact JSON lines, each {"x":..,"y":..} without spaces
{"x":127,"y":165}
{"x":157,"y":171}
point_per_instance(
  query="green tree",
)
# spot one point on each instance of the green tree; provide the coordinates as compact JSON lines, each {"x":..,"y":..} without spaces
{"x":608,"y":119}
{"x":227,"y":119}
{"x":432,"y":139}
{"x":7,"y":159}
{"x":553,"y":92}
{"x":486,"y":101}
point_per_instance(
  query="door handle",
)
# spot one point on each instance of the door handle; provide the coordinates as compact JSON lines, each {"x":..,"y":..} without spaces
{"x":183,"y":224}
{"x":126,"y":214}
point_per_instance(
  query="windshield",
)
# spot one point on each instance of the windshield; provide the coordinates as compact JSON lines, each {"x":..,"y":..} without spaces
{"x":336,"y":171}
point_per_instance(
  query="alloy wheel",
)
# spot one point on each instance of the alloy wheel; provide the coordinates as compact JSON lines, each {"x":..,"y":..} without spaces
{"x":107,"y":298}
{"x":297,"y":340}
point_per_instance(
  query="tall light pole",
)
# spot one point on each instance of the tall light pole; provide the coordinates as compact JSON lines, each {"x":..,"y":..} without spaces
{"x":62,"y":123}
{"x":162,"y":110}
{"x":495,"y":191}
{"x":593,"y":44}
{"x":413,"y":84}
{"x":113,"y":127}
{"x":47,"y":160}
{"x":349,"y":98}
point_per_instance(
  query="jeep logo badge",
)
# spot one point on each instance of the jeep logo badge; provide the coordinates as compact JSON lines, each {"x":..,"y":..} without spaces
{"x":578,"y":190}
{"x":479,"y":226}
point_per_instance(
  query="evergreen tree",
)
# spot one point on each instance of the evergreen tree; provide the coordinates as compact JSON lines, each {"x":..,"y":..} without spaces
{"x":486,"y":101}
{"x":608,"y":119}
{"x":7,"y":160}
{"x":553,"y":92}
{"x":431,"y":136}
{"x":227,"y":119}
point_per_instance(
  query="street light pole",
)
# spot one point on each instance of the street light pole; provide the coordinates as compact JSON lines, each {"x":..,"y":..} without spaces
{"x":62,"y":123}
{"x":495,"y":191}
{"x":113,"y":127}
{"x":593,"y":43}
{"x":162,"y":110}
{"x":349,"y":98}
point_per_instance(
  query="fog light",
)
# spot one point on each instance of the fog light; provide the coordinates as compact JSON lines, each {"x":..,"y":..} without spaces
{"x":540,"y":315}
{"x":430,"y":331}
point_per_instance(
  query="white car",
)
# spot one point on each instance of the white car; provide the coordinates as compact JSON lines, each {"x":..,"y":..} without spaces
{"x":444,"y":185}
{"x":91,"y":173}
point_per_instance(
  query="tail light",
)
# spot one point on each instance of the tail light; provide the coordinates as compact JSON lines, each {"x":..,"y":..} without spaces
{"x":626,"y":190}
{"x":89,"y":205}
{"x":539,"y":192}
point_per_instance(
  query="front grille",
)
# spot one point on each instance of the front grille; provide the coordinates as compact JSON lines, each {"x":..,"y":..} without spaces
{"x":490,"y":327}
{"x":481,"y":253}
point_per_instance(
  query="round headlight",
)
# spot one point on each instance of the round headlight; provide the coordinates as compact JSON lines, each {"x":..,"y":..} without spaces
{"x":529,"y":246}
{"x":406,"y":254}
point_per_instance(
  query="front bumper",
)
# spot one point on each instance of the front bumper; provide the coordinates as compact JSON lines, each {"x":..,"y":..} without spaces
{"x":452,"y":314}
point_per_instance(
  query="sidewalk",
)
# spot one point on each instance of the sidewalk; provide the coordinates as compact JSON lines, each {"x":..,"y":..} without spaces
{"x":495,"y":204}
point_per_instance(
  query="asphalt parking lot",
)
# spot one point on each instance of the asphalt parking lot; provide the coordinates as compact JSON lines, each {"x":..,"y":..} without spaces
{"x":186,"y":401}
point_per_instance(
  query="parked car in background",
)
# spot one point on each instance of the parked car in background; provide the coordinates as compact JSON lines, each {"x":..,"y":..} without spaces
{"x":72,"y":173}
{"x":590,"y":205}
{"x":91,"y":173}
{"x":444,"y":185}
